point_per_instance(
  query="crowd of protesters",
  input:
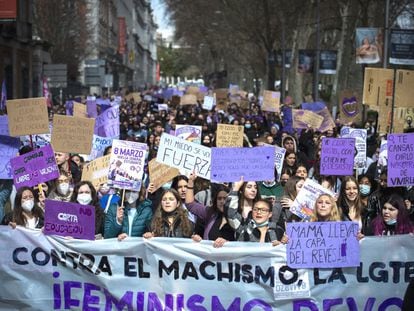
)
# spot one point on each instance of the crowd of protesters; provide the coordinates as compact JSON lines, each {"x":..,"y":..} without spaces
{"x":192,"y":207}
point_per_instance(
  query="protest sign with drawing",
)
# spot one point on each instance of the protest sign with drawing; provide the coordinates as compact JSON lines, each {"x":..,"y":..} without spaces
{"x":191,"y":133}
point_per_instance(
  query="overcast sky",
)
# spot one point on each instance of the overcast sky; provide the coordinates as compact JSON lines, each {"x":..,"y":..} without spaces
{"x":160,"y":19}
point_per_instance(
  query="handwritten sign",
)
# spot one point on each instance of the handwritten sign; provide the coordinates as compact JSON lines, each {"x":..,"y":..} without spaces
{"x":209,"y":102}
{"x":72,"y":134}
{"x":221,"y":94}
{"x":304,"y":119}
{"x":400,"y":160}
{"x":160,"y":173}
{"x":323,"y":244}
{"x":337,"y":156}
{"x":127,"y":164}
{"x":229,"y":135}
{"x":96,"y":171}
{"x":188,"y":99}
{"x":34,"y":167}
{"x":28,"y":116}
{"x":190,"y":133}
{"x":9,"y":147}
{"x":254,"y":164}
{"x":184,"y":155}
{"x":69,"y":219}
{"x":271,"y":101}
{"x":306,"y":198}
{"x":79,"y":110}
{"x":107,"y":124}
{"x":328,"y":122}
{"x":360,"y":135}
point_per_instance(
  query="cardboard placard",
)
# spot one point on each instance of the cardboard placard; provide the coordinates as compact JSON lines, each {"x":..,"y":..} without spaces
{"x":28,"y":116}
{"x":127,"y":164}
{"x":304,"y":119}
{"x":328,"y":122}
{"x":327,"y":244}
{"x":96,"y":171}
{"x":403,"y":119}
{"x":229,"y":135}
{"x":271,"y":101}
{"x":400,"y":160}
{"x":79,"y":110}
{"x":221,"y":94}
{"x":188,"y":99}
{"x":184,"y":155}
{"x":34,"y":167}
{"x":192,"y":90}
{"x":69,"y":219}
{"x":350,"y":106}
{"x":160,"y":173}
{"x":404,"y":88}
{"x":254,"y":164}
{"x":72,"y":134}
{"x":378,"y":88}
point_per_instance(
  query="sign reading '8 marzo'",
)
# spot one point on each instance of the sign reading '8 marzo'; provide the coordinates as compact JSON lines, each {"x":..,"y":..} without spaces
{"x":178,"y":274}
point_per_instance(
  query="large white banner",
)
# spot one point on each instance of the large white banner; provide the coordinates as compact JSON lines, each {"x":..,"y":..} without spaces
{"x":39,"y":272}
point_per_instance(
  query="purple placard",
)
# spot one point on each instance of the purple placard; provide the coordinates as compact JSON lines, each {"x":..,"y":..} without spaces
{"x":9,"y":147}
{"x":323,"y":244}
{"x":107,"y":124}
{"x":254,"y":164}
{"x":69,"y":107}
{"x":4,"y":126}
{"x":69,"y":219}
{"x":34,"y":167}
{"x":91,"y":108}
{"x":103,"y":102}
{"x":337,"y":156}
{"x":400,"y":160}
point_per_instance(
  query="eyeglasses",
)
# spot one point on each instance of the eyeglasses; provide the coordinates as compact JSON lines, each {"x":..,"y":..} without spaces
{"x":260,"y":210}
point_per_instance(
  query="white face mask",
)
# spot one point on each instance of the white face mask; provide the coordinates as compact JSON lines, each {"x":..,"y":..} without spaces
{"x":28,"y":205}
{"x":131,"y":197}
{"x":63,"y":188}
{"x":84,"y":198}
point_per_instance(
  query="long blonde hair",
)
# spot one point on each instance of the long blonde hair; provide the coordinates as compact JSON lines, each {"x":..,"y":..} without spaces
{"x":335,"y":212}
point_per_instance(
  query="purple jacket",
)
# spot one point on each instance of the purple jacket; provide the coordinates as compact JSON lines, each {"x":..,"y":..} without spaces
{"x":205,"y":214}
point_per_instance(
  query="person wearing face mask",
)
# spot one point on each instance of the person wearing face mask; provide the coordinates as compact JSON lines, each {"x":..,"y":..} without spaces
{"x":392,"y":220}
{"x":132,"y":219}
{"x":84,"y":193}
{"x":365,"y":188}
{"x":61,"y":188}
{"x":26,"y":212}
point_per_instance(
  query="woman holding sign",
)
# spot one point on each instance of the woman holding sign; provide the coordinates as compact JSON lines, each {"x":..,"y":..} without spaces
{"x":170,"y":218}
{"x":26,"y":211}
{"x":84,"y":193}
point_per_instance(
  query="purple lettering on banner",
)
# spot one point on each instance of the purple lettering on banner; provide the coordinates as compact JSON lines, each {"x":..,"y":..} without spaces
{"x":254,"y":164}
{"x":4,"y":125}
{"x":69,"y":219}
{"x":323,"y":244}
{"x":107,"y":124}
{"x":9,"y":147}
{"x":91,"y":108}
{"x":400,"y":160}
{"x":34,"y":167}
{"x":298,"y":304}
{"x":337,"y":156}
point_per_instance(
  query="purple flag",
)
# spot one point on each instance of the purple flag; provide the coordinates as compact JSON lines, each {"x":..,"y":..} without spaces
{"x":34,"y":167}
{"x":69,"y":219}
{"x":103,"y":102}
{"x":287,"y":120}
{"x":327,"y":244}
{"x":316,"y":106}
{"x":69,"y":108}
{"x":4,"y":126}
{"x":107,"y":123}
{"x":91,"y":108}
{"x":254,"y":164}
{"x":337,"y":156}
{"x":3,"y":95}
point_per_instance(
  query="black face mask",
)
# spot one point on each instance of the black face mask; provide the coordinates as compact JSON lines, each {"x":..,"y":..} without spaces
{"x":283,"y":183}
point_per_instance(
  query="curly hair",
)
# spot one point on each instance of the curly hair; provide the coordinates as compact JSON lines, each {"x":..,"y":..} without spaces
{"x":158,"y":221}
{"x":335,"y":214}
